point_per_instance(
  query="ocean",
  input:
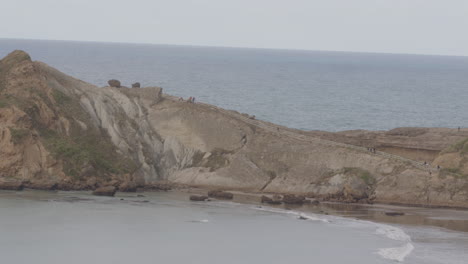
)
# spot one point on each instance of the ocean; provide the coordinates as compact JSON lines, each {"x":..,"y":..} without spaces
{"x":165,"y":227}
{"x":310,"y":90}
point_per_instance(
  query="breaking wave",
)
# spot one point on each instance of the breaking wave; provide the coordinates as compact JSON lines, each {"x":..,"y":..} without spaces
{"x":394,"y":233}
{"x":391,"y":232}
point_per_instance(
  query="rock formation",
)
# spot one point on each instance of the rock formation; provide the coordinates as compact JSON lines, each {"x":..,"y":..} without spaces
{"x":114,"y":83}
{"x":105,"y":191}
{"x":136,"y":85}
{"x":220,"y":194}
{"x":198,"y":198}
{"x":59,"y":131}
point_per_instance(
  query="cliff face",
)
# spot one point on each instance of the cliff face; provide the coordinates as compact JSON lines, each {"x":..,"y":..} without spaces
{"x":56,"y":130}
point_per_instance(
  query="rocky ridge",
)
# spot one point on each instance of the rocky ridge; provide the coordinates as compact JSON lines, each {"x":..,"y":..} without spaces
{"x":60,"y":132}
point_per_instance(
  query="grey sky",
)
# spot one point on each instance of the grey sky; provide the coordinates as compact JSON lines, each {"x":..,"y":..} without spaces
{"x":397,"y":26}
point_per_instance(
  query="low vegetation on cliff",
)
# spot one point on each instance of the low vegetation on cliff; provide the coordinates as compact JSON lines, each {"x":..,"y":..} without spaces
{"x":38,"y":115}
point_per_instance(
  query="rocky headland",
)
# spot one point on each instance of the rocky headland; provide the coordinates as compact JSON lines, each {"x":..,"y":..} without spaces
{"x":57,"y":132}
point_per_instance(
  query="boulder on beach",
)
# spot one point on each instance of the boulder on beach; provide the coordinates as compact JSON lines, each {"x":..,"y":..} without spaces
{"x":293,"y":199}
{"x":46,"y":186}
{"x":394,"y":213}
{"x":220,"y":194}
{"x":105,"y":191}
{"x":136,"y":85}
{"x":114,"y":83}
{"x":198,"y":198}
{"x":128,"y":187}
{"x":268,"y":200}
{"x":314,"y":202}
{"x":159,"y":186}
{"x":11,"y":185}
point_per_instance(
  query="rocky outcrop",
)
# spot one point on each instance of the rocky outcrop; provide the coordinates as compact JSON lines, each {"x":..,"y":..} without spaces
{"x":220,"y":194}
{"x":114,"y":83}
{"x":128,"y":187}
{"x":11,"y":185}
{"x":105,"y":191}
{"x":136,"y":85}
{"x":198,"y":198}
{"x":293,"y":199}
{"x":268,"y":200}
{"x":57,"y":129}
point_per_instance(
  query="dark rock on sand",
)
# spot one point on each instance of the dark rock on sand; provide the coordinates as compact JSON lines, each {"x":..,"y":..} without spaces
{"x":268,"y":200}
{"x":11,"y":185}
{"x":114,"y":83}
{"x":293,"y":199}
{"x":105,"y":191}
{"x":136,"y":85}
{"x":46,"y":186}
{"x":394,"y":213}
{"x":221,"y":195}
{"x":198,"y":198}
{"x":314,"y":202}
{"x":159,"y":187}
{"x":128,"y":187}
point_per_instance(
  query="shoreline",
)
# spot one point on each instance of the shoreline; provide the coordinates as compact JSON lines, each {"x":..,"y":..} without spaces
{"x":447,"y":218}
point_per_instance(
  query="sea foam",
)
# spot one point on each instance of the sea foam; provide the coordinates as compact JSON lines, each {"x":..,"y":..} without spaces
{"x":394,"y":233}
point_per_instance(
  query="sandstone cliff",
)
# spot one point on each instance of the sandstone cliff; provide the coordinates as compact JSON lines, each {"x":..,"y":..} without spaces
{"x":62,"y":132}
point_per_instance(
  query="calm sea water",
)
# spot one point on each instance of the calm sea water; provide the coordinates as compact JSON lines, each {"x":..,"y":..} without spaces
{"x":301,"y":89}
{"x":75,"y":227}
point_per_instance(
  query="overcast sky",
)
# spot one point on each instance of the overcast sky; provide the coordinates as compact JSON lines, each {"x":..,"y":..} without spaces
{"x":395,"y":26}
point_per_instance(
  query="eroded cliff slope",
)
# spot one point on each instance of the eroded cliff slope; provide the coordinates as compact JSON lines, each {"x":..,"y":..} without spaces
{"x":59,"y":131}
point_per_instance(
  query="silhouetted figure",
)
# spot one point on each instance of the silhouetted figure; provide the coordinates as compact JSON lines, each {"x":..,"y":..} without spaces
{"x":458,"y":129}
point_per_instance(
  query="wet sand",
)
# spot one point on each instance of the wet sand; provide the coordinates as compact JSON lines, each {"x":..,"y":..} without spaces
{"x":451,"y":219}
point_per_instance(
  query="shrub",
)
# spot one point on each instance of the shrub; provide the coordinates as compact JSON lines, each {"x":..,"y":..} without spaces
{"x":18,"y":135}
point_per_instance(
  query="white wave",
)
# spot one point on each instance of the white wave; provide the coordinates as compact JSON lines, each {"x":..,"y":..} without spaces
{"x":394,"y":233}
{"x":295,"y":213}
{"x":200,"y":221}
{"x":391,"y":232}
{"x":398,"y":253}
